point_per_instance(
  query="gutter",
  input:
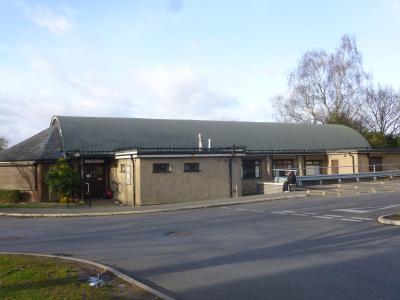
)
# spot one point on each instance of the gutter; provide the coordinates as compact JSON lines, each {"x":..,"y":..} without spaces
{"x":230,"y":172}
{"x":352,"y":157}
{"x":133,"y":181}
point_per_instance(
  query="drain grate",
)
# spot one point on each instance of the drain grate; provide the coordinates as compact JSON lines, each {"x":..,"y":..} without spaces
{"x":179,"y":233}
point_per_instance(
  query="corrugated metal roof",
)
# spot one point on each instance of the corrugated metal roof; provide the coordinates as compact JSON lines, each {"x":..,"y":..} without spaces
{"x":109,"y":134}
{"x":46,"y":145}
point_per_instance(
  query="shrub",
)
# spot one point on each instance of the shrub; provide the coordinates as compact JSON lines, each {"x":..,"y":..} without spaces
{"x":62,"y":180}
{"x":10,"y":196}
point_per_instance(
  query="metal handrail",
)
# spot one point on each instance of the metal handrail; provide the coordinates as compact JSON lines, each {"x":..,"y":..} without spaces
{"x":339,"y":177}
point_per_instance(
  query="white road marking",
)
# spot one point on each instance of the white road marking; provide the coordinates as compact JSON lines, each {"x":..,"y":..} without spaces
{"x":334,"y":216}
{"x":301,"y":215}
{"x":327,"y":206}
{"x":351,"y":220}
{"x":225,"y":207}
{"x":309,"y":213}
{"x":354,"y":211}
{"x":385,"y":207}
{"x":284,"y":212}
{"x":241,"y":209}
{"x":363,"y":211}
{"x":365,"y":219}
{"x":322,"y":217}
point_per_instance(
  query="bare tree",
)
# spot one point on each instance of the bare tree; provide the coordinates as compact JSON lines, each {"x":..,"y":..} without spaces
{"x":3,"y":143}
{"x":383,"y":108}
{"x":325,"y":86}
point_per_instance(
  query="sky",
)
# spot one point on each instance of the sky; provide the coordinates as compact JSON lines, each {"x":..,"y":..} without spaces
{"x":184,"y":59}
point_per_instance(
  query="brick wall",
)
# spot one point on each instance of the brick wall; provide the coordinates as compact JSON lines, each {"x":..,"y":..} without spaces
{"x":18,"y":178}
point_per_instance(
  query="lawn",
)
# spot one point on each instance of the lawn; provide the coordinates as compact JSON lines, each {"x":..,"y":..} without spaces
{"x":395,"y":217}
{"x":31,"y":277}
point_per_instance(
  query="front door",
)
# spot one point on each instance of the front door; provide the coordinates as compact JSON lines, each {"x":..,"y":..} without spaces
{"x":95,"y":183}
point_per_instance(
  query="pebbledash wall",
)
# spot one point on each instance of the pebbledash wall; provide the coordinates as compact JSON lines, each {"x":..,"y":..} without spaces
{"x":120,"y":154}
{"x":145,"y":187}
{"x":212,"y":181}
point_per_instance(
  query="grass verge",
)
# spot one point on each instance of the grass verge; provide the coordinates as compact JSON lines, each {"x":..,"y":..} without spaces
{"x":394,"y":217}
{"x":31,"y":277}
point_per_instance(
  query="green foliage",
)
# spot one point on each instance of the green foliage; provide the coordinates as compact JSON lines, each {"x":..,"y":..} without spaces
{"x":62,"y":179}
{"x":10,"y":196}
{"x":30,"y":277}
{"x":342,"y":119}
{"x":377,"y":139}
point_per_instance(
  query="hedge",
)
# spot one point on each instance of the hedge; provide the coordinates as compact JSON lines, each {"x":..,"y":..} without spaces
{"x":10,"y":196}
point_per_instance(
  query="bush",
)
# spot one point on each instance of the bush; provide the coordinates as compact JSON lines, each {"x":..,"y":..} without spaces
{"x":10,"y":196}
{"x":62,"y":180}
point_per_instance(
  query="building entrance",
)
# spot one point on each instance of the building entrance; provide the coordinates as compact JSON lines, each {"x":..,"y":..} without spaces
{"x":94,"y":179}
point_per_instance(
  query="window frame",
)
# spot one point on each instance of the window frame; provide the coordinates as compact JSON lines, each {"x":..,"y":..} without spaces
{"x":188,"y":170}
{"x":377,"y":161}
{"x":284,"y":166}
{"x":252,"y":174}
{"x":167,"y":170}
{"x":335,"y":168}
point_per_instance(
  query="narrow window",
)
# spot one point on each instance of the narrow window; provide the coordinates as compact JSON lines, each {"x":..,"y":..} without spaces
{"x":375,"y":164}
{"x":122,"y":170}
{"x":334,"y":166}
{"x":161,"y":168}
{"x":191,"y":167}
{"x":251,"y":169}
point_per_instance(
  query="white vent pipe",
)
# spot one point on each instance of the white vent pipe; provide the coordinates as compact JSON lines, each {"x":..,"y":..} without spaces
{"x":200,"y":141}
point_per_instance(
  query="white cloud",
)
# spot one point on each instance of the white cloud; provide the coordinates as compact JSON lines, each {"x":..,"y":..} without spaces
{"x":30,"y":97}
{"x":56,"y":20}
{"x":177,"y":92}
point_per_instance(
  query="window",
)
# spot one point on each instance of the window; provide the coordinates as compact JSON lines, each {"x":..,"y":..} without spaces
{"x":191,"y":167}
{"x":334,"y":166}
{"x":99,"y":171}
{"x":375,"y":164}
{"x":313,"y":167}
{"x":161,"y":168}
{"x":122,"y":170}
{"x":251,"y":169}
{"x":282,"y":166}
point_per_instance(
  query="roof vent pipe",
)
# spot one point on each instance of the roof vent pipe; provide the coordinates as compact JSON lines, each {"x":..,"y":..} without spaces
{"x":200,"y":141}
{"x":209,"y":143}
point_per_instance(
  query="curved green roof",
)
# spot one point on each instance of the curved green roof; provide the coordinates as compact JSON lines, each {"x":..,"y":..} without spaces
{"x":110,"y":134}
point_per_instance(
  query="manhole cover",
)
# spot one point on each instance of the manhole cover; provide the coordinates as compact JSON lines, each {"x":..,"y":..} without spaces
{"x":11,"y":238}
{"x":179,"y":233}
{"x":63,"y":254}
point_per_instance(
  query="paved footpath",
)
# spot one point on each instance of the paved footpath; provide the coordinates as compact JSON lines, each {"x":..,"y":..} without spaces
{"x":112,"y":209}
{"x":304,"y":248}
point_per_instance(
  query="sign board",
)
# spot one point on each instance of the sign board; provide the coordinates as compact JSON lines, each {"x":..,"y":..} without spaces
{"x":94,"y":161}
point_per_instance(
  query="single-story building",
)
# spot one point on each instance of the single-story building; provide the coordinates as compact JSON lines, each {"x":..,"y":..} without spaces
{"x":151,"y":161}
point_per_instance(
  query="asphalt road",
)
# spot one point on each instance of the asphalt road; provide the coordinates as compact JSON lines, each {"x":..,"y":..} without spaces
{"x":312,"y":248}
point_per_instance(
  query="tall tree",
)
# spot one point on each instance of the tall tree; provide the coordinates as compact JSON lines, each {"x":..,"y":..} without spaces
{"x":3,"y":143}
{"x":383,"y":110}
{"x":326,"y":87}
